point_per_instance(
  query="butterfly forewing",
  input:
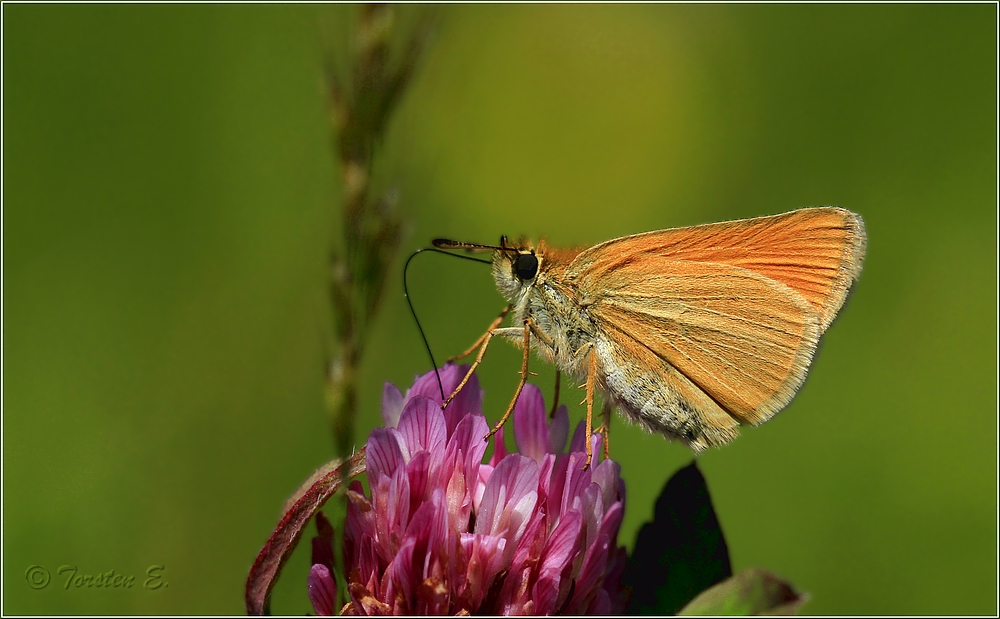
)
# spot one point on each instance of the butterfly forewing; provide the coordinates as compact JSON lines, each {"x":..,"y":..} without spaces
{"x":816,"y":251}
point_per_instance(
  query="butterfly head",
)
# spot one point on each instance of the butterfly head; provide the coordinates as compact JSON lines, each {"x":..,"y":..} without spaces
{"x":515,"y":267}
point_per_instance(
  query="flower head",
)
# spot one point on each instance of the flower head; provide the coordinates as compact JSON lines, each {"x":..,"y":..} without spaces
{"x":445,"y":533}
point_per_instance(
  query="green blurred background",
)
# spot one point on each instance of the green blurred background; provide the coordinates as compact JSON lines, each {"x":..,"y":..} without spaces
{"x":170,"y":199}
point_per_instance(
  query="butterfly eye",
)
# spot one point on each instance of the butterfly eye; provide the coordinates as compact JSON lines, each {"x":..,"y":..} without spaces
{"x":526,"y":266}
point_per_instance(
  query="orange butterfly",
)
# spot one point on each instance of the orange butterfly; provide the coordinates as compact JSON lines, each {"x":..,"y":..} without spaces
{"x":688,"y":331}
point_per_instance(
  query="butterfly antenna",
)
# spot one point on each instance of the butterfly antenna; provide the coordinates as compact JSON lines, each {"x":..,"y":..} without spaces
{"x":406,"y":293}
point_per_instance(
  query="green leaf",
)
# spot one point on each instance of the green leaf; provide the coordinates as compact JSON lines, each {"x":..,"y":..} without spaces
{"x":752,"y":592}
{"x":681,"y":553}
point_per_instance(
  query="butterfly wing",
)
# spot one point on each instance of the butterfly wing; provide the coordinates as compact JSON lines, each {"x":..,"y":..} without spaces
{"x":815,"y":251}
{"x":736,"y":308}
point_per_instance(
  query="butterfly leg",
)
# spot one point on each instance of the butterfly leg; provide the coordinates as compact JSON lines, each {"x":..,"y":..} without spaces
{"x":528,"y":323}
{"x":493,"y":327}
{"x":588,"y":349}
{"x":481,"y":343}
{"x":591,"y":375}
{"x":605,"y":428}
{"x":555,"y":397}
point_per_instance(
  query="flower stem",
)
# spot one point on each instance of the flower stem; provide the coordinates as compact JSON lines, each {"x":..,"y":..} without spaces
{"x":360,"y":106}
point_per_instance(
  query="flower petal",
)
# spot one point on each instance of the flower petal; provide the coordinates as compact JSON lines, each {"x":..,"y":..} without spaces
{"x":479,"y":486}
{"x":468,"y":439}
{"x":483,"y":554}
{"x":418,"y":472}
{"x":460,"y":469}
{"x":421,"y":426}
{"x":559,"y":430}
{"x":532,"y":543}
{"x":618,"y":594}
{"x":545,"y":478}
{"x":368,"y":566}
{"x":591,"y":575}
{"x":596,"y":444}
{"x":322,"y":544}
{"x":402,"y":580}
{"x":516,"y":592}
{"x":392,"y":405}
{"x":531,"y":429}
{"x":601,"y":604}
{"x":508,"y":500}
{"x":499,"y":448}
{"x":359,"y":525}
{"x":562,"y":546}
{"x":562,"y":543}
{"x":427,"y":386}
{"x":429,"y":529}
{"x":578,"y":443}
{"x":458,"y":501}
{"x":612,"y":522}
{"x":468,"y":401}
{"x":384,"y":454}
{"x":607,"y":475}
{"x":322,"y":590}
{"x":592,"y":506}
{"x":392,"y":511}
{"x":568,"y":482}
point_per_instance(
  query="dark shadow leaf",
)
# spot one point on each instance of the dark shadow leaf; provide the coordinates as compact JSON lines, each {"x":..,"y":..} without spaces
{"x":681,"y":553}
{"x":299,"y":509}
{"x":752,"y":592}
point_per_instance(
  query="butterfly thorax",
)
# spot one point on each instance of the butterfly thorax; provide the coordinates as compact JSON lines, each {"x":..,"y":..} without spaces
{"x":549,"y":300}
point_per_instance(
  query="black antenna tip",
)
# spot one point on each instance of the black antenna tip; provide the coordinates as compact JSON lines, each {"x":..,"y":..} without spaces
{"x":445,"y":243}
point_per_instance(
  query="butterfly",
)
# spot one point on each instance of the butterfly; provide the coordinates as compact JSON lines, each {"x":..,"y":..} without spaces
{"x":688,"y":332}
